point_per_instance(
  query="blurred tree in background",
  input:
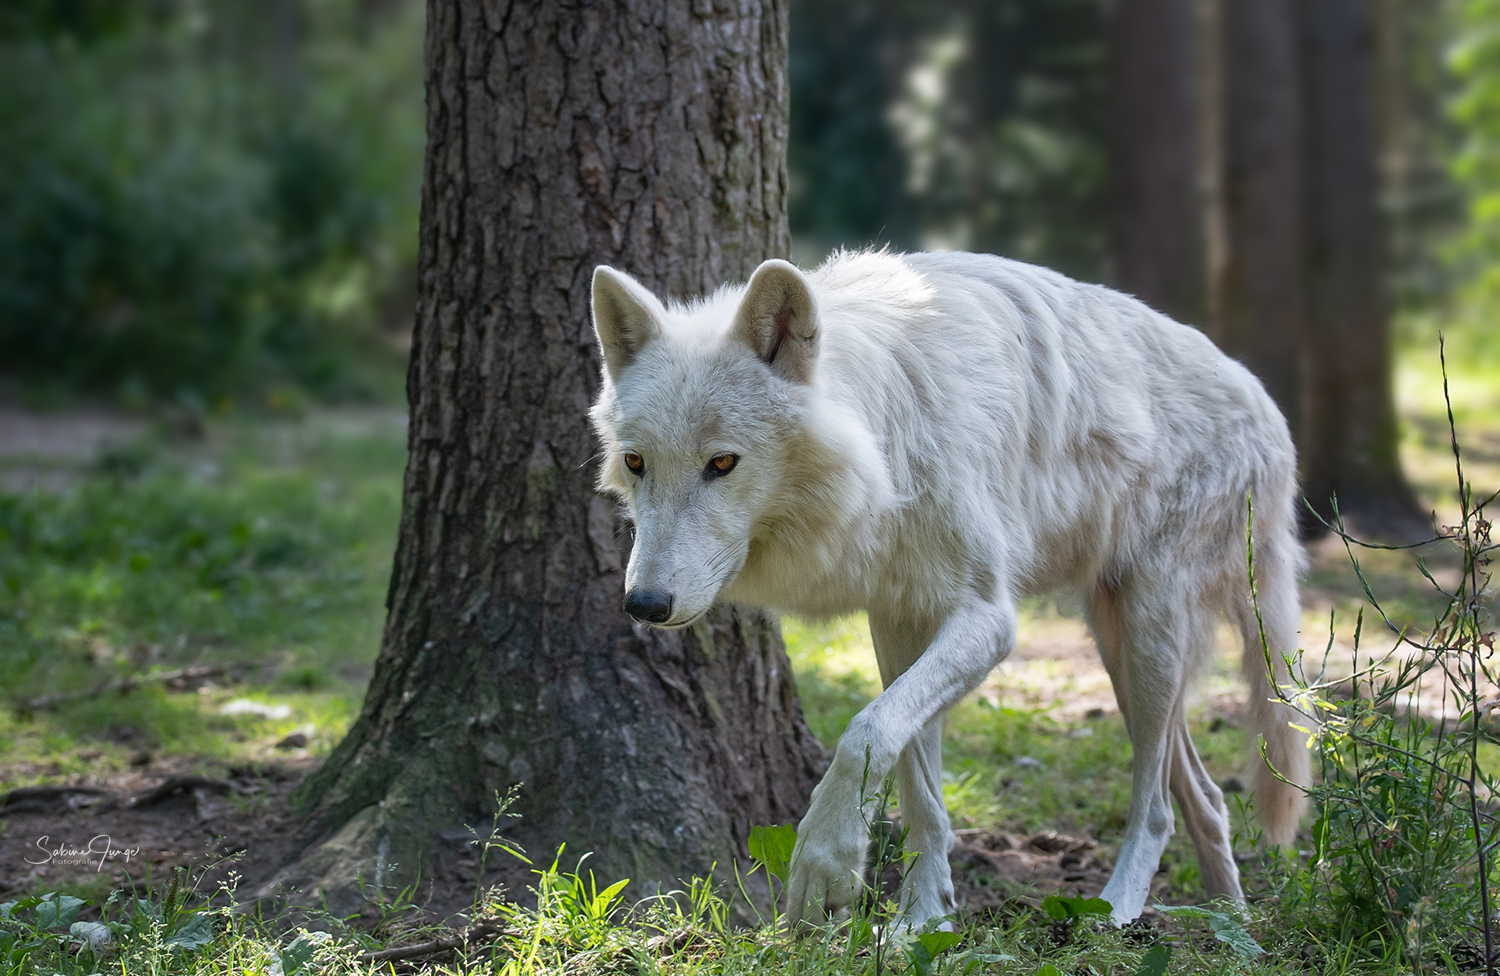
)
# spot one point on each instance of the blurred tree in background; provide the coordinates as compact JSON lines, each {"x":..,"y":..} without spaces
{"x":970,"y":124}
{"x":200,"y":198}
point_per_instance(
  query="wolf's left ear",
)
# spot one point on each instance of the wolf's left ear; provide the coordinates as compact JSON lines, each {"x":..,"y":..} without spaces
{"x":779,"y":321}
{"x":626,"y":317}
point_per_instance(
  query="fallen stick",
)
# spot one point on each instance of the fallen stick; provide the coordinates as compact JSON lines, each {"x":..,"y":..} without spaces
{"x":35,"y":798}
{"x":193,"y":673}
{"x":180,"y":784}
{"x":480,"y":929}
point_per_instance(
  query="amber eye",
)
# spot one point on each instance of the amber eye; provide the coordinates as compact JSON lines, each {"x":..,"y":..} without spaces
{"x":634,"y":463}
{"x":720,"y":465}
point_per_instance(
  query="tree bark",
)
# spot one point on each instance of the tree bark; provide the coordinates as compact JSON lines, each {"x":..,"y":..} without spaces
{"x":1349,"y":433}
{"x":650,"y":136}
{"x":1156,"y":229}
{"x":1255,"y":291}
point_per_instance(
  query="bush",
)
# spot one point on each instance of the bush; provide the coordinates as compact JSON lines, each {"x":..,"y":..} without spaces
{"x":1403,"y":859}
{"x":175,"y":217}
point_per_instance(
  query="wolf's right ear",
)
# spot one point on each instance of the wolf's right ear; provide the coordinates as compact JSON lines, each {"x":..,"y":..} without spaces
{"x":626,"y":317}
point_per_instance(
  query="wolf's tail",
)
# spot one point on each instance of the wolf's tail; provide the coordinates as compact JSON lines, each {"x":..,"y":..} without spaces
{"x":1278,"y":780}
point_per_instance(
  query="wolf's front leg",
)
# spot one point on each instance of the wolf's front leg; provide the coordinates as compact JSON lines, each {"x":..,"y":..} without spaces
{"x":828,"y":867}
{"x":927,"y":889}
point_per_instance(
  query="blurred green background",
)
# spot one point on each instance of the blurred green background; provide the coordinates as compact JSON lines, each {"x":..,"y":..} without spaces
{"x":209,"y":202}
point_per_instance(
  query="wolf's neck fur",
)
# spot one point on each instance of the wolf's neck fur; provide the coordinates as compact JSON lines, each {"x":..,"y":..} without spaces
{"x":845,"y":477}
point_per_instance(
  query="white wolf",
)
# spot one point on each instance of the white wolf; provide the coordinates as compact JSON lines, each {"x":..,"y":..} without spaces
{"x":927,"y":437}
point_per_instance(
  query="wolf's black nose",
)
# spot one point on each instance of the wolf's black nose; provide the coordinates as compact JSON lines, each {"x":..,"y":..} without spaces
{"x":648,"y":605}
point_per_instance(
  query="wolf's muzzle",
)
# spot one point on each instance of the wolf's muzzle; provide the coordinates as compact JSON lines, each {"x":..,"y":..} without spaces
{"x":650,"y":606}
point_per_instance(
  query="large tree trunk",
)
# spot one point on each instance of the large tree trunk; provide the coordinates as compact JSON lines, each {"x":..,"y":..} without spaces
{"x":1255,"y":289}
{"x":1349,"y":434}
{"x":1156,"y":231}
{"x":651,"y":136}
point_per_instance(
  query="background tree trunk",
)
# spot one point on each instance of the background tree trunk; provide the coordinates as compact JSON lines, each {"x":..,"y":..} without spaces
{"x":1156,"y":231}
{"x":1349,"y":434}
{"x":650,"y":136}
{"x":1255,"y":291}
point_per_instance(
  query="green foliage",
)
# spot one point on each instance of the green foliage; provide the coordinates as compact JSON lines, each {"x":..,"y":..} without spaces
{"x":923,"y":951}
{"x":176,"y":220}
{"x":1155,"y":961}
{"x":1404,"y":844}
{"x":295,"y":957}
{"x":1475,"y":61}
{"x":162,"y":931}
{"x":772,"y":847}
{"x":1061,"y":907}
{"x":1225,"y":927}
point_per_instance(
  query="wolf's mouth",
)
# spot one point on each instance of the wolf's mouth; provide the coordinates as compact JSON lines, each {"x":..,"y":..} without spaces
{"x":680,"y":624}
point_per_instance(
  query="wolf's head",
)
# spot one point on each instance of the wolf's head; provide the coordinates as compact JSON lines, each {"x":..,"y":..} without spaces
{"x":698,"y":416}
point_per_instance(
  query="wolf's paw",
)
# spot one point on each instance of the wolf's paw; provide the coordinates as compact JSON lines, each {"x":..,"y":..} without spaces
{"x":828,"y":868}
{"x":908,"y":925}
{"x":1127,"y":897}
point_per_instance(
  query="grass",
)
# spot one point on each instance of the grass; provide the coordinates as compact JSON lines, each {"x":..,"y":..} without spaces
{"x":269,"y":546}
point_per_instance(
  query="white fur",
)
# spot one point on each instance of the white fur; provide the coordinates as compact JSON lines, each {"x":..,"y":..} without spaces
{"x":927,"y":437}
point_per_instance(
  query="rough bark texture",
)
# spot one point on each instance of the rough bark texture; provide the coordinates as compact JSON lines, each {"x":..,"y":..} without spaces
{"x":1255,"y":284}
{"x":1349,"y":434}
{"x":1156,"y":232}
{"x":651,"y":136}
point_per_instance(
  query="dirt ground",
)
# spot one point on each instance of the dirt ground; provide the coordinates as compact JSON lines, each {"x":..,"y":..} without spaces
{"x":39,"y":451}
{"x":133,"y":829}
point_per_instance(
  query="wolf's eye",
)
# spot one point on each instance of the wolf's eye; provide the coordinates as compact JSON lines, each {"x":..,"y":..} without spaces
{"x":720,"y":465}
{"x":634,"y":463}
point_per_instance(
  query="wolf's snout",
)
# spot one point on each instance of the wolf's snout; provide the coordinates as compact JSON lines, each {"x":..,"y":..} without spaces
{"x":651,"y":606}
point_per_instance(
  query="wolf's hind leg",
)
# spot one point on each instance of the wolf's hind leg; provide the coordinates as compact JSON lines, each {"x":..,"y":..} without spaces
{"x":927,"y":889}
{"x":1197,"y":794}
{"x":1204,"y":813}
{"x":1148,"y":680}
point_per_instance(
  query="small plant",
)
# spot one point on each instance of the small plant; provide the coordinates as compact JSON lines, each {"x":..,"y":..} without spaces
{"x":772,"y":849}
{"x":494,"y":841}
{"x":1226,"y":928}
{"x":923,"y":951}
{"x":1405,"y":838}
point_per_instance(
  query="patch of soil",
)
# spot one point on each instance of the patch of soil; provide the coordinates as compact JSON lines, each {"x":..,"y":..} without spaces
{"x":992,"y":867}
{"x":133,"y":829}
{"x":137,"y":826}
{"x":44,"y":450}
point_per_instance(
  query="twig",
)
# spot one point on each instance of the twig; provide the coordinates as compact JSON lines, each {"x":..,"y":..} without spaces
{"x":35,"y":798}
{"x":483,"y":928}
{"x":179,"y":784}
{"x":193,"y":673}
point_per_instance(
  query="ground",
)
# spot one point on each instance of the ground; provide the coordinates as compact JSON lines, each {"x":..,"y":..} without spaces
{"x":257,"y":550}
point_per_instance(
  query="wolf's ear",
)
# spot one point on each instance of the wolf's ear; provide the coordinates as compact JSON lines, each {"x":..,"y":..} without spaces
{"x":626,"y":317}
{"x":779,"y":321}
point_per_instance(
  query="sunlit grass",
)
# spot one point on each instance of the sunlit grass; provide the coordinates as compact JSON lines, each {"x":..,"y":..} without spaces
{"x":268,"y":548}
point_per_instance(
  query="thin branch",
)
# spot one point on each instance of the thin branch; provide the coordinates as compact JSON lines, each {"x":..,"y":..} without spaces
{"x":483,"y":929}
{"x":196,"y":672}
